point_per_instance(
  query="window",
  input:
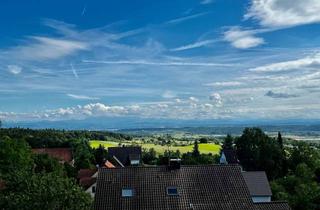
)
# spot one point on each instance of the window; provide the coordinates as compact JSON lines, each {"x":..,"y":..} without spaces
{"x":127,"y":192}
{"x":173,"y":191}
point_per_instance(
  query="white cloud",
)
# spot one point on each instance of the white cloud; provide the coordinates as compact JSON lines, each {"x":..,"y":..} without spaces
{"x":168,"y":94}
{"x":309,"y":61}
{"x":273,"y":15}
{"x":224,"y":84}
{"x":195,"y":45}
{"x":284,"y":13}
{"x":82,"y":97}
{"x":44,"y":48}
{"x":14,"y":69}
{"x":242,"y":39}
{"x":193,"y":99}
{"x":216,"y":99}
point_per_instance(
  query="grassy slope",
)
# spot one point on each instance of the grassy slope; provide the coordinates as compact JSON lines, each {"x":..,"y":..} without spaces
{"x":204,"y":148}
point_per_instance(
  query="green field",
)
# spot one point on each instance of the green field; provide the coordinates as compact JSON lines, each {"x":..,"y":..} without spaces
{"x":204,"y":148}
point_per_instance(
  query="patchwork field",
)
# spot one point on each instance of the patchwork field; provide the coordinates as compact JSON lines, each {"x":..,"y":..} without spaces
{"x":204,"y":148}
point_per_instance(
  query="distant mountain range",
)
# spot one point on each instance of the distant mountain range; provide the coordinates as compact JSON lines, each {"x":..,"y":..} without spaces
{"x":127,"y":124}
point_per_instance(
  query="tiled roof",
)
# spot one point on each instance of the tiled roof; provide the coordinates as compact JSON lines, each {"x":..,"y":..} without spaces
{"x":63,"y":154}
{"x":86,"y":173}
{"x":86,"y":182}
{"x":122,"y":153}
{"x":273,"y":206}
{"x":257,"y":183}
{"x":231,"y":156}
{"x":205,"y":187}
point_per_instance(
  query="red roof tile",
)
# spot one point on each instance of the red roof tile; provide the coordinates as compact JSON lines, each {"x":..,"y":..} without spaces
{"x":64,"y":154}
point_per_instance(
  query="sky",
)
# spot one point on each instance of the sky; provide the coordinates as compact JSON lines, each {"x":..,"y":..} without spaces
{"x":169,"y":59}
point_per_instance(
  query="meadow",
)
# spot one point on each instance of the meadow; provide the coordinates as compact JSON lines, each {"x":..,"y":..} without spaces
{"x":204,"y":148}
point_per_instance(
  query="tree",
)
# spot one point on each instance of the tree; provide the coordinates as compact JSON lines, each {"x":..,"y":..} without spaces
{"x":228,"y":142}
{"x":257,"y":151}
{"x":196,"y":152}
{"x":0,"y":123}
{"x":299,"y":188}
{"x":83,"y":157}
{"x":280,"y":140}
{"x":45,"y":163}
{"x":36,"y":181}
{"x":203,"y":140}
{"x":100,"y":155}
{"x":15,"y":155}
{"x":43,"y":191}
{"x":149,"y":157}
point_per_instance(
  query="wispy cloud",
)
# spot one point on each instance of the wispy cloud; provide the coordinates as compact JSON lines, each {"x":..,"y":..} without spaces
{"x":74,"y":71}
{"x":45,"y":48}
{"x":206,"y":1}
{"x":198,"y":44}
{"x":169,"y":94}
{"x":185,"y":18}
{"x":84,"y":10}
{"x":82,"y":97}
{"x":308,"y":61}
{"x":154,"y":63}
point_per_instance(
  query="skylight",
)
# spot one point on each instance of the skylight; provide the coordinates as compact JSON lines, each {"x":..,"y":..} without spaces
{"x":127,"y":192}
{"x":173,"y":191}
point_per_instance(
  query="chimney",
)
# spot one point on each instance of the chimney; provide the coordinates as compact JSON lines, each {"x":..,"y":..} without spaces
{"x":174,"y":164}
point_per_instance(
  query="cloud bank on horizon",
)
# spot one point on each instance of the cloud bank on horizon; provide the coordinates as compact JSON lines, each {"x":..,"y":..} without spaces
{"x":220,"y":59}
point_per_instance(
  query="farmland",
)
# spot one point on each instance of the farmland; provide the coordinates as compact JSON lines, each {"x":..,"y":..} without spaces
{"x":204,"y":148}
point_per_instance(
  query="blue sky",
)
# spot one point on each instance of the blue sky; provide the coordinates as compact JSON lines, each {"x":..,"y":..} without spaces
{"x":177,"y":59}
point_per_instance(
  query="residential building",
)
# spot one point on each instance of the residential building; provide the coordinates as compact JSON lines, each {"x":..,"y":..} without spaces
{"x":258,"y":186}
{"x":62,"y":154}
{"x":201,"y":187}
{"x":126,"y":156}
{"x":228,"y":156}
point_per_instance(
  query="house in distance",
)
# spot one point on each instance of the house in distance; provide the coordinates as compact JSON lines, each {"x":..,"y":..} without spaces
{"x":125,"y":156}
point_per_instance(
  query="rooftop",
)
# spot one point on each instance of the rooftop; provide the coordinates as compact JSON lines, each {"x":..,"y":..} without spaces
{"x":200,"y":187}
{"x":125,"y":154}
{"x":63,"y":154}
{"x":231,"y":156}
{"x":257,"y":183}
{"x":277,"y":205}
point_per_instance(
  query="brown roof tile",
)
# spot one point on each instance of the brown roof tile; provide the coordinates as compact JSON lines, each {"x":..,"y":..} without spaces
{"x":207,"y":187}
{"x":86,"y":173}
{"x":64,"y":154}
